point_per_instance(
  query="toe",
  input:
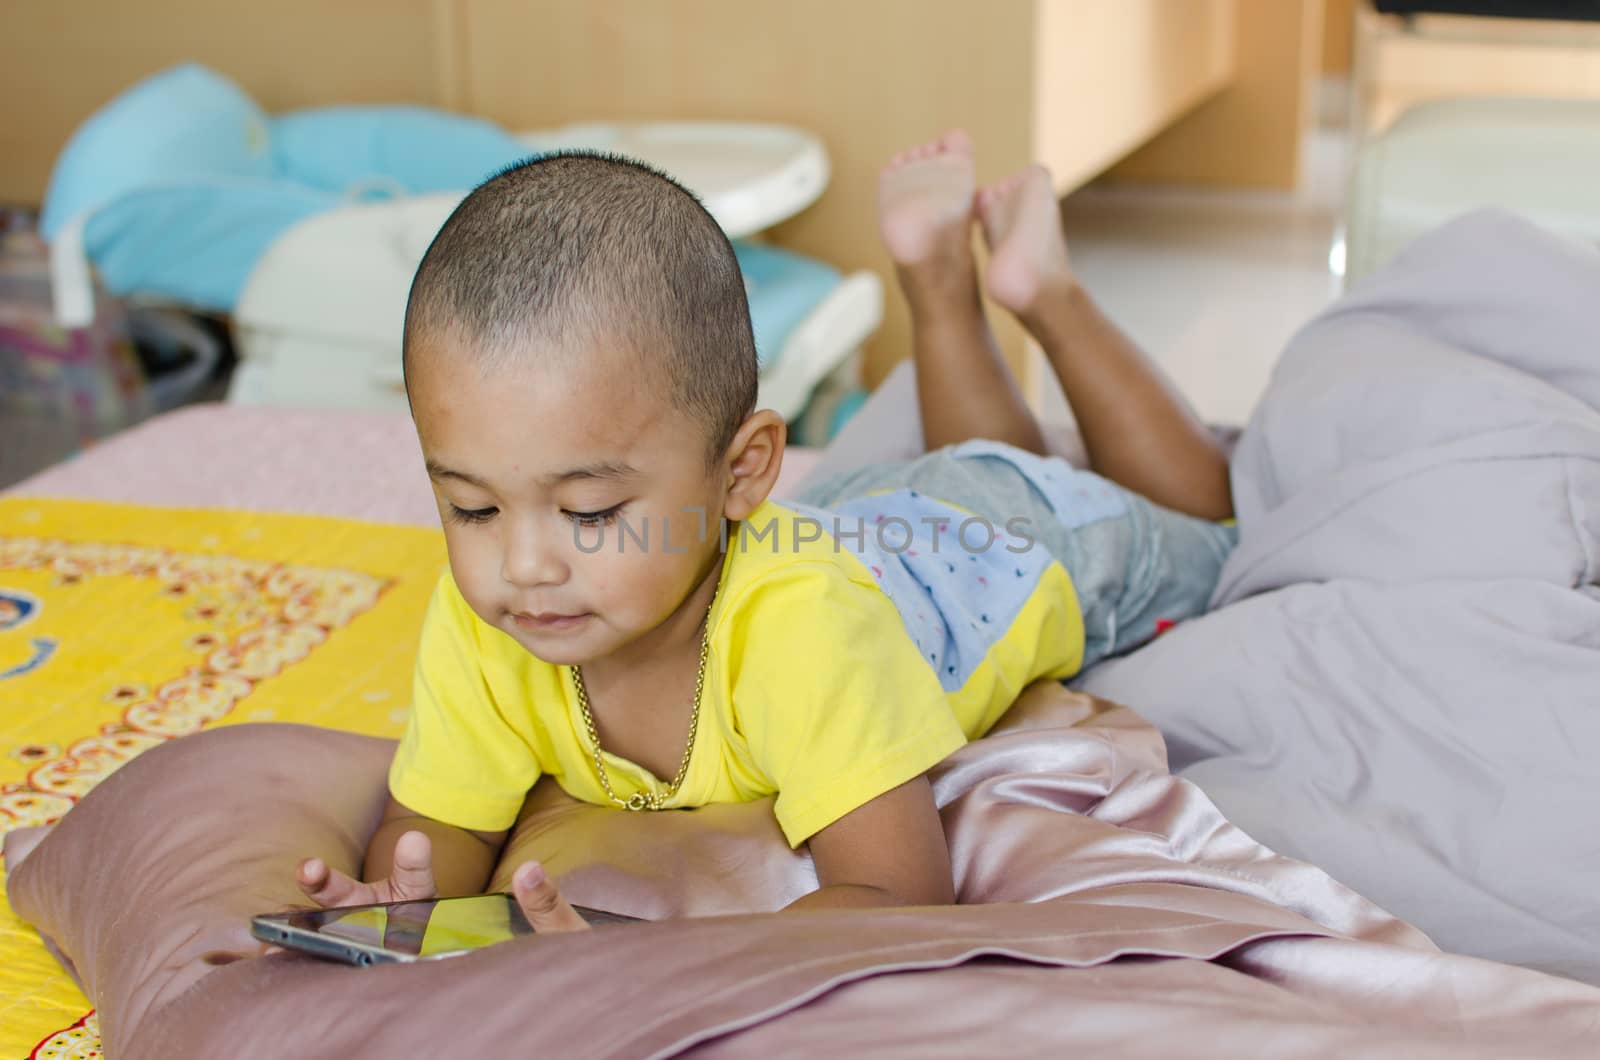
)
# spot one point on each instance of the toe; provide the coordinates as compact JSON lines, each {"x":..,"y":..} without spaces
{"x":992,"y":194}
{"x":957,"y":141}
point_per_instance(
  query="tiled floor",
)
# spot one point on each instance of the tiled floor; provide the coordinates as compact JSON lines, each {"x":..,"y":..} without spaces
{"x":1212,"y":284}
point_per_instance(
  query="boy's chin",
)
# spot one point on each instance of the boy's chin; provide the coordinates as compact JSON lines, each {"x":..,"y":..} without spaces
{"x":561,"y":650}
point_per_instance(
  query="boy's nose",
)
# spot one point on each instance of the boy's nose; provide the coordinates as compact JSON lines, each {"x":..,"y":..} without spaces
{"x":532,"y":558}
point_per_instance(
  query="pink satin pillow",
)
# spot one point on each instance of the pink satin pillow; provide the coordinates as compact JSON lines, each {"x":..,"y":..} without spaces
{"x":150,"y":882}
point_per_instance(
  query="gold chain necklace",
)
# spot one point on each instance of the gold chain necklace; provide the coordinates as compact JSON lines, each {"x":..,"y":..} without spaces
{"x":647,"y":800}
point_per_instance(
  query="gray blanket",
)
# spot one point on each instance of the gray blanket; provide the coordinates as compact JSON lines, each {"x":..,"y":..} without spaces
{"x":1402,"y":681}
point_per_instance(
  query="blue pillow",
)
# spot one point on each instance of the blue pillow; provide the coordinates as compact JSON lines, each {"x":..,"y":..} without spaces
{"x":195,"y":243}
{"x":183,"y":124}
{"x":412,"y":150}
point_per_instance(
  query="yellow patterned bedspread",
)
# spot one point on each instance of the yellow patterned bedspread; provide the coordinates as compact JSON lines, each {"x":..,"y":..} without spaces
{"x":122,"y":627}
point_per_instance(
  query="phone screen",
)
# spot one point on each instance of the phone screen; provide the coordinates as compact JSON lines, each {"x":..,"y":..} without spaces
{"x":430,"y":928}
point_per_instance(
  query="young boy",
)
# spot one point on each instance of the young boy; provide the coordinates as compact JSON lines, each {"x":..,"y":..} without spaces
{"x":627,"y":611}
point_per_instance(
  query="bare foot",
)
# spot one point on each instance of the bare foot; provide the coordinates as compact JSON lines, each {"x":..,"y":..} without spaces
{"x":925,"y":205}
{"x":1022,"y":225}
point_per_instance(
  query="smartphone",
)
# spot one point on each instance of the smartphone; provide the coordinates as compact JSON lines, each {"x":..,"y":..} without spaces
{"x":406,"y":931}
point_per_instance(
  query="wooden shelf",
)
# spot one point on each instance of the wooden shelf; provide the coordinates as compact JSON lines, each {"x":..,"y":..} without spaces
{"x":1403,"y":61}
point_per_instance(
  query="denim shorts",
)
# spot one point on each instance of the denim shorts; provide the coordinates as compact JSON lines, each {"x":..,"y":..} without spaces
{"x":1136,"y":567}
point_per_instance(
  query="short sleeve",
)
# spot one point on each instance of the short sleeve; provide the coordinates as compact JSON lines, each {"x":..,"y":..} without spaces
{"x":836,"y":701}
{"x":466,"y":759}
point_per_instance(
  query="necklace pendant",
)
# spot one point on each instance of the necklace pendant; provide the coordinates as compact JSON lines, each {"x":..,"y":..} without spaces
{"x":639,"y":801}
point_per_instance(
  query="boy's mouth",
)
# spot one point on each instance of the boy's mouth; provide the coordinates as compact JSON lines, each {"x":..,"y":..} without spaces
{"x":547,"y":621}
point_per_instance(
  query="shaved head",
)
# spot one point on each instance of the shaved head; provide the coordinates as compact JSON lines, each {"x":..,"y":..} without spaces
{"x":574,"y":254}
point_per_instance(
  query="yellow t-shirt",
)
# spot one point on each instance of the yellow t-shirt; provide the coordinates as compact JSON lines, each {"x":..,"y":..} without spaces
{"x":814,"y":692}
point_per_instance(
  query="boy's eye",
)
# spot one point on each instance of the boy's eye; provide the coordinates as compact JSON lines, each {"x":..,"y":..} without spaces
{"x":472,"y":515}
{"x":604,"y":517}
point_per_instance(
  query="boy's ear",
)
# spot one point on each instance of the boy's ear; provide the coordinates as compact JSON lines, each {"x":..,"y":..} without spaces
{"x":754,"y":458}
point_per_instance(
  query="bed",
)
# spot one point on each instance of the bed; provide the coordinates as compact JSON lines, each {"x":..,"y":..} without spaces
{"x":1108,"y":902}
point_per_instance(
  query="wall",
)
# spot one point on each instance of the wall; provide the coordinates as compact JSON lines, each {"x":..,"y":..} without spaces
{"x":60,"y":60}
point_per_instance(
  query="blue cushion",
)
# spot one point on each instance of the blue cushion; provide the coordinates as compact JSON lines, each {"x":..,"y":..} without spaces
{"x":784,"y":288}
{"x":188,"y":122}
{"x":403,"y":149}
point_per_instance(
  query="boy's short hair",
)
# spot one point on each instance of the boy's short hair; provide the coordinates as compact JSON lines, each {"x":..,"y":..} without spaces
{"x":583,"y":247}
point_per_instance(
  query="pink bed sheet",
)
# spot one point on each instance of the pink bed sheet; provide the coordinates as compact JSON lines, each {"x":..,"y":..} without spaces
{"x":353,"y":464}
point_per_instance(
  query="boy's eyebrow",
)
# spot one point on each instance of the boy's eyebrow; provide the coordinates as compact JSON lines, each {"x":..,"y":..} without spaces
{"x":604,"y":470}
{"x":438,"y":471}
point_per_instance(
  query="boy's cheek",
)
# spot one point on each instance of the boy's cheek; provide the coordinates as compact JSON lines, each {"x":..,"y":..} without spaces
{"x":476,"y":571}
{"x":460,"y":554}
{"x":638,"y":587}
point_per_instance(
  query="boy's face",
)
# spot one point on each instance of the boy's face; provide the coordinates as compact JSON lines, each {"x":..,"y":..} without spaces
{"x":561,"y":487}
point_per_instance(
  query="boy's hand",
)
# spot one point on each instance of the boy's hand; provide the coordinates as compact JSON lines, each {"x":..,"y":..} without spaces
{"x":410,"y":879}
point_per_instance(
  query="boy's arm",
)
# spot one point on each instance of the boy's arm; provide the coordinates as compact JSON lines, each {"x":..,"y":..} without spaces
{"x":847,"y":743}
{"x":462,"y":859}
{"x":890,"y":851}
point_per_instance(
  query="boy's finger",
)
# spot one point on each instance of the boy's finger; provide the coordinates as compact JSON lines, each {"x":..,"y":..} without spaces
{"x":328,"y":886}
{"x":311,"y":875}
{"x":411,"y":876}
{"x":541,"y":903}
